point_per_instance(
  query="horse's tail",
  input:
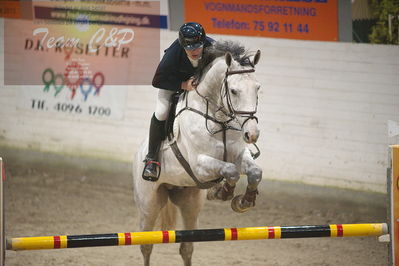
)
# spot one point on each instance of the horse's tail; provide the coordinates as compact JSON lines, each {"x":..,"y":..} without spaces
{"x":168,"y":216}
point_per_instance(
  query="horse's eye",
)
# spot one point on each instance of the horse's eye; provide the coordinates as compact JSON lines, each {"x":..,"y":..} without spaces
{"x":233,"y":91}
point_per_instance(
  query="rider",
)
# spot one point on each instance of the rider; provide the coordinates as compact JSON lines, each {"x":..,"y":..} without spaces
{"x":174,"y":73}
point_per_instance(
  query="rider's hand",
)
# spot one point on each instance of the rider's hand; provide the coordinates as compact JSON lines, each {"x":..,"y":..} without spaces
{"x":188,"y":85}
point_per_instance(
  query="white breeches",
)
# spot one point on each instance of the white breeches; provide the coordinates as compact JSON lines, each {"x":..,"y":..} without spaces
{"x":163,"y":104}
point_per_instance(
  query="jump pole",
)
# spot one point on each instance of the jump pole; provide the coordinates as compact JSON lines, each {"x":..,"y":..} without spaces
{"x":178,"y":236}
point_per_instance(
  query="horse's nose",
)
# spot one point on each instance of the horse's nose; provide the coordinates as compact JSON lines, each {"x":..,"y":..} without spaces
{"x":251,"y":137}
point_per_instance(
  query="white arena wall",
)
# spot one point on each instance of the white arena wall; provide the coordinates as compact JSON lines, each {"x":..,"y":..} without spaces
{"x":323,"y":113}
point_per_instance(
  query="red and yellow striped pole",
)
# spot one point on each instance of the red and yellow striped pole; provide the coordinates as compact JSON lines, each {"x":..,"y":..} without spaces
{"x":178,"y":236}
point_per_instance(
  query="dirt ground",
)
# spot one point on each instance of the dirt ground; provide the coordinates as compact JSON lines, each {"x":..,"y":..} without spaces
{"x":48,"y":200}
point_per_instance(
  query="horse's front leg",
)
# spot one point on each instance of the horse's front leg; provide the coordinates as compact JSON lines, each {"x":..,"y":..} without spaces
{"x":208,"y":168}
{"x":242,"y":203}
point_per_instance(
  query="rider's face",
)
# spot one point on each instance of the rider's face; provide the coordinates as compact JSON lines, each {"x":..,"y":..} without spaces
{"x":194,"y":54}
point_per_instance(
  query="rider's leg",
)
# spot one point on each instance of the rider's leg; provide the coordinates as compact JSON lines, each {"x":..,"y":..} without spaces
{"x":163,"y":104}
{"x":157,"y":134}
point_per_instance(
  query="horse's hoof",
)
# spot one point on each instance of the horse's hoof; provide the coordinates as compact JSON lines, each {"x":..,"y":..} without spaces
{"x":220,"y":192}
{"x":212,"y":193}
{"x":239,"y":206}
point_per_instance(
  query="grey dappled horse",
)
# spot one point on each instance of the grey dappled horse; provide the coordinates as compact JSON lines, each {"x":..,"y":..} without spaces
{"x":213,"y":127}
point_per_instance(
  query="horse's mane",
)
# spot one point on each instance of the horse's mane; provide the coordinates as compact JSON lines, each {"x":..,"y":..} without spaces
{"x":218,"y":49}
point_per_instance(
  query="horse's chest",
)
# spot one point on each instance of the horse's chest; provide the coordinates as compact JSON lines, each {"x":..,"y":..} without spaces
{"x":218,"y":148}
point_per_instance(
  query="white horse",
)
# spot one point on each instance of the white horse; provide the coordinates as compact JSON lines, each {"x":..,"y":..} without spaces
{"x":212,"y":130}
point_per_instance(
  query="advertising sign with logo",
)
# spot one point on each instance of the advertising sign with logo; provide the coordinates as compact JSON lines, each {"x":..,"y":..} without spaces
{"x":80,"y":57}
{"x":291,"y":19}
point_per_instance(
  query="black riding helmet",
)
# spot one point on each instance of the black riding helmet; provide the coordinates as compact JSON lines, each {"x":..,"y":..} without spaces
{"x":191,"y":36}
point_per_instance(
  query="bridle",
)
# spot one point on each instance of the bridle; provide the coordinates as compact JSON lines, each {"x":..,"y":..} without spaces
{"x":232,"y":112}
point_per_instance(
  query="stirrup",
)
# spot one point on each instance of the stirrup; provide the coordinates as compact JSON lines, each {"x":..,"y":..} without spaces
{"x":150,"y":176}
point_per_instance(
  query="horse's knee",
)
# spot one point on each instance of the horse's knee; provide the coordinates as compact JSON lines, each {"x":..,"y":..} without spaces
{"x":254,"y":177}
{"x":229,"y":171}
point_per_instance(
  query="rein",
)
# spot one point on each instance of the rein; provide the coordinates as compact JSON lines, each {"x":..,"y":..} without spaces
{"x":231,"y":114}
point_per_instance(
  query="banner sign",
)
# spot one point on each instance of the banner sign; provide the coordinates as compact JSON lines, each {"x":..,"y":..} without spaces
{"x":121,"y":40}
{"x":291,"y":19}
{"x":73,"y":55}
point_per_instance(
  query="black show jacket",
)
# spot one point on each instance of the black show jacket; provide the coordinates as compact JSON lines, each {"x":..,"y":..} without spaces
{"x":175,"y":67}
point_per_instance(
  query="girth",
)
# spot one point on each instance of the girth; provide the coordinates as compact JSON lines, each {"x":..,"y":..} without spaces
{"x":177,"y":152}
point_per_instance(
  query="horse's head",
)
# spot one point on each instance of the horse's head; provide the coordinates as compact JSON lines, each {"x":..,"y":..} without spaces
{"x":240,"y":94}
{"x":228,"y":85}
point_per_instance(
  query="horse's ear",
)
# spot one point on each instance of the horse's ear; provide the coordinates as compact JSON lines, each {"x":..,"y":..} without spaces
{"x":257,"y":57}
{"x":228,"y":58}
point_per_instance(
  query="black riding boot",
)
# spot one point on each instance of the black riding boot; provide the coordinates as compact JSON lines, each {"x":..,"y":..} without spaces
{"x":152,"y":167}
